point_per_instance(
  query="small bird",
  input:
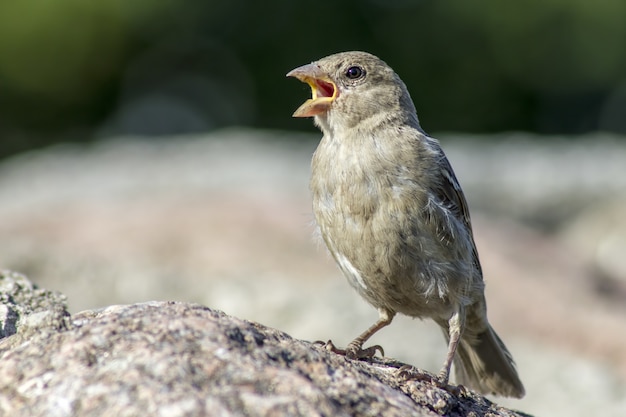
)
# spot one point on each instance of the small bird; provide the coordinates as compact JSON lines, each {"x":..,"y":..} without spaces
{"x":394,"y":217}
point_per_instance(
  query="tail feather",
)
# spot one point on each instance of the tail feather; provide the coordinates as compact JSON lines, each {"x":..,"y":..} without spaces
{"x":485,"y":364}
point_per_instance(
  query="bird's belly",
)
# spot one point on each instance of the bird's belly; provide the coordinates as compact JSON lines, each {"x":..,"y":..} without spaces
{"x":388,"y":259}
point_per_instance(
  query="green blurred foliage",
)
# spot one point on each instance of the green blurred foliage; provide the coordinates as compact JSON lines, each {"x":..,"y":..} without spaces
{"x":74,"y":70}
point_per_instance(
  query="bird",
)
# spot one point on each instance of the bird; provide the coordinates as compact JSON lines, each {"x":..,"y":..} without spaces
{"x":393,"y":216}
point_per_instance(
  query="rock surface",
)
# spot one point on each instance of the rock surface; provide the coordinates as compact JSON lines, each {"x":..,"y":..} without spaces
{"x":26,"y":310}
{"x":179,"y":359}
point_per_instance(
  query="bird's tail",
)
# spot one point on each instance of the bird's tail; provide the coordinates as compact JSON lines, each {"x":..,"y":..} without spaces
{"x":484,"y":364}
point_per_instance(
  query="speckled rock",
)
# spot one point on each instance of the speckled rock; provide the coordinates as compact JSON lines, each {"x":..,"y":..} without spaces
{"x":179,"y":359}
{"x":26,"y":310}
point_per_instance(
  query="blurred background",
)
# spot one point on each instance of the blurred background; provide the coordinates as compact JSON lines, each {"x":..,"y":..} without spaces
{"x":147,"y":152}
{"x":71,"y":70}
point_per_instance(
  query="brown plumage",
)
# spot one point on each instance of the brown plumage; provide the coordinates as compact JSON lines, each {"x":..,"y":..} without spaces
{"x":394,"y":217}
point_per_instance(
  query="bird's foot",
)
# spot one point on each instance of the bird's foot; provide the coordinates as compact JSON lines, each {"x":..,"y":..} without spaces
{"x":444,"y":376}
{"x":353,"y":350}
{"x":410,"y":373}
{"x":356,"y":351}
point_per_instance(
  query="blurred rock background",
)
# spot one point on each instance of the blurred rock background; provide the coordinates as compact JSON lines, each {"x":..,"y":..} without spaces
{"x":148,"y":153}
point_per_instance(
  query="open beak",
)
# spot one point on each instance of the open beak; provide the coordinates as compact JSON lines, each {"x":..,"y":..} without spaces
{"x":323,"y":89}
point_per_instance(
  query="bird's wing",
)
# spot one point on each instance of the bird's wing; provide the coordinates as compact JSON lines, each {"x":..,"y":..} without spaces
{"x":450,"y":193}
{"x":451,"y":196}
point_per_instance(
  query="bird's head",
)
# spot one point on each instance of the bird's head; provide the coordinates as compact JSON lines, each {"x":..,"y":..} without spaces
{"x":351,"y":87}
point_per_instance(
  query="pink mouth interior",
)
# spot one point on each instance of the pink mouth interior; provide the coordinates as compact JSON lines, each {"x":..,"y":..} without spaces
{"x":324,"y":89}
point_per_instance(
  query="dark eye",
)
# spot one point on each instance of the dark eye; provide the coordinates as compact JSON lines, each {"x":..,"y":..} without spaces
{"x":355,"y":72}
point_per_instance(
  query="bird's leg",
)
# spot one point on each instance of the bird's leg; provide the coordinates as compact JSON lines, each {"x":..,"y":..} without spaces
{"x":355,"y":350}
{"x":456,"y":324}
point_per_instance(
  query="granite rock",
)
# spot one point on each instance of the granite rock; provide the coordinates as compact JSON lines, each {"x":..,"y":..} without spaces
{"x":181,"y":359}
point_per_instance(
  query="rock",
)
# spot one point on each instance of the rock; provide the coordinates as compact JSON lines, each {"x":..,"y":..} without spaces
{"x":180,"y":359}
{"x":27,"y":310}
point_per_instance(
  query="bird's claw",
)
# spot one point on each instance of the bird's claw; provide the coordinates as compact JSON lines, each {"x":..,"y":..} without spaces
{"x":329,"y":346}
{"x":357,"y":352}
{"x":352,"y":351}
{"x":410,"y":373}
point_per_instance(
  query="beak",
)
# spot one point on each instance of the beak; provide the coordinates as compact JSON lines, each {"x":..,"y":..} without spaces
{"x":323,"y":89}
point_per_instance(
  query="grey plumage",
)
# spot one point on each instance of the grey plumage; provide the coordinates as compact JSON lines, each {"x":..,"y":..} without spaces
{"x":394,"y":217}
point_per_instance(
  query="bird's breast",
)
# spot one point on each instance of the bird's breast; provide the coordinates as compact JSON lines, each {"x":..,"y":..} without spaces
{"x":353,"y":202}
{"x":345,"y":184}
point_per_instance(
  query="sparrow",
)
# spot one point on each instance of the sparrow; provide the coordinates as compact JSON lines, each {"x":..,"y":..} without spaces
{"x":393,"y":216}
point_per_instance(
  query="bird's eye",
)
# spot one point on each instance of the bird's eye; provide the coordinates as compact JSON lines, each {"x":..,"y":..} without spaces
{"x":355,"y":72}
